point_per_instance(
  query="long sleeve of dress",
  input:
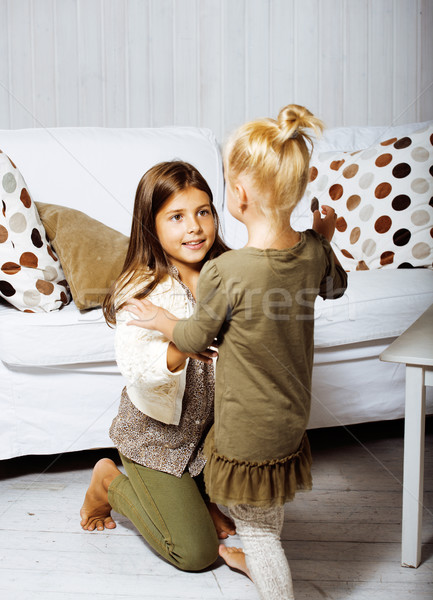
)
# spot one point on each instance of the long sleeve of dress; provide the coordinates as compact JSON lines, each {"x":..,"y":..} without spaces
{"x":142,"y":359}
{"x":334,"y":283}
{"x":213,"y":307}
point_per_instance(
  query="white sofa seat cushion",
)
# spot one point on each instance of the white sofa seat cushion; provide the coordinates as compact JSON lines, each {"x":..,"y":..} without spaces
{"x":65,"y":337}
{"x":377,"y":305}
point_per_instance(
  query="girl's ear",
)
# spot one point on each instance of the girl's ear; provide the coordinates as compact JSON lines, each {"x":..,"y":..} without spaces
{"x":241,"y":197}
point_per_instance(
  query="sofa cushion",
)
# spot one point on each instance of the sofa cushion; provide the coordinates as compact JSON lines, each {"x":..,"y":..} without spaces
{"x":381,"y":195}
{"x":69,"y":336}
{"x":31,"y":277}
{"x":91,"y":253}
{"x":377,"y":305}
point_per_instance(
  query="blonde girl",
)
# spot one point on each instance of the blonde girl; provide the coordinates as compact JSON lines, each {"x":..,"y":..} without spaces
{"x":166,"y":408}
{"x":259,"y":300}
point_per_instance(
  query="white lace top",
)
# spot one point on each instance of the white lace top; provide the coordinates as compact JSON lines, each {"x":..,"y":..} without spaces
{"x":163,"y":417}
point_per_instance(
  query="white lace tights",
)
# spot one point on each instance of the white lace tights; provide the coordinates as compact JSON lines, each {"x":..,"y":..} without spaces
{"x":260,"y":529}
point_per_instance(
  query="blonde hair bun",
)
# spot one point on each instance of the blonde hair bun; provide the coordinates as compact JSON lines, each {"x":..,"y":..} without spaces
{"x":294,"y":119}
{"x":275,"y":154}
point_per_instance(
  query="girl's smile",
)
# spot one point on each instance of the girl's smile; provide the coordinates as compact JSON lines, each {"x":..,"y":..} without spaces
{"x":186,"y":228}
{"x":194,"y":245}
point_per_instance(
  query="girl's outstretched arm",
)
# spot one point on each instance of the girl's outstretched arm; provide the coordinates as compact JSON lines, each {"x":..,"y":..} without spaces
{"x":198,"y":333}
{"x":150,"y":316}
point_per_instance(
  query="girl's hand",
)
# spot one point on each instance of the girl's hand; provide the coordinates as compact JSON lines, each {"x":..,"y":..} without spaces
{"x":325,"y":226}
{"x":176,"y":359}
{"x":149,"y":316}
{"x":206,"y":356}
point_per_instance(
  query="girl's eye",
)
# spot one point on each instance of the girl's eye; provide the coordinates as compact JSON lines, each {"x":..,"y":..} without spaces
{"x":176,"y":218}
{"x":203,"y":212}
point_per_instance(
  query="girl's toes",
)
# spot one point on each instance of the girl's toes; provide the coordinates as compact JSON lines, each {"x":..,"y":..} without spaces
{"x":109,"y":523}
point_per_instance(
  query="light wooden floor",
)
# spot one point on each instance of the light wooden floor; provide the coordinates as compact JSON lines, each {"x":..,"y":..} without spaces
{"x":342,"y":539}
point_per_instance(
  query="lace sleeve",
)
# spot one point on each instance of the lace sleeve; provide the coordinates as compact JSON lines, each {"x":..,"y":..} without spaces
{"x":142,"y":359}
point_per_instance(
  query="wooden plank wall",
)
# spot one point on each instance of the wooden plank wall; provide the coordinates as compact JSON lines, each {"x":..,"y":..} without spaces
{"x":213,"y":63}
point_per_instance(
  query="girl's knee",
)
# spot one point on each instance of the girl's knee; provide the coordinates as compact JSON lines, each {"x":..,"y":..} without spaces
{"x":196,"y":557}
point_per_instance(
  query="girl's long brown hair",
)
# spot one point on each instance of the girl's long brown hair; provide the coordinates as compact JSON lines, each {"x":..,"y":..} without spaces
{"x":146,"y":263}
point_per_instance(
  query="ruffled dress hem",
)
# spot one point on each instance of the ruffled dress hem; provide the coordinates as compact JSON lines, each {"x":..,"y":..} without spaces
{"x":269,"y":483}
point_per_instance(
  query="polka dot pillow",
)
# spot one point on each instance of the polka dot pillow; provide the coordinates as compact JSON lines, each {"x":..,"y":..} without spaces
{"x":31,"y":278}
{"x":383,"y":197}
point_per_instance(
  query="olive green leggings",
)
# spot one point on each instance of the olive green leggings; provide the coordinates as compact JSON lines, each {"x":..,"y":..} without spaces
{"x":169,"y":512}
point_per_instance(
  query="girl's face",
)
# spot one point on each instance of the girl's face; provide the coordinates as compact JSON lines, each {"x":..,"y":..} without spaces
{"x":185,"y":228}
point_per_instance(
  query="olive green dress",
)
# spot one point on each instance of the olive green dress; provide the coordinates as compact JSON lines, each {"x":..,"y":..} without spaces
{"x":260,"y":304}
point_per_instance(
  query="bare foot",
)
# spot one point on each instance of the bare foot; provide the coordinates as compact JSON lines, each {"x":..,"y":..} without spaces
{"x":96,"y":510}
{"x":224,"y":525}
{"x":235,"y":558}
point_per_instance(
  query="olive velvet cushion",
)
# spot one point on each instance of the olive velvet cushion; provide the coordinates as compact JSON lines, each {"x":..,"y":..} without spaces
{"x":91,"y":253}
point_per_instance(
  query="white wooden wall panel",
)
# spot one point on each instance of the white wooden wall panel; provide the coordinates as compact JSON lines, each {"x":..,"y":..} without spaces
{"x":44,"y":55}
{"x":5,"y":118}
{"x":161,"y":72}
{"x":355,"y":65}
{"x":20,"y":58}
{"x":138,"y":64}
{"x":405,"y":75}
{"x":115,"y":73}
{"x":282,"y":53}
{"x":425,"y":62}
{"x":211,"y":79}
{"x":307,"y":58}
{"x":67,"y":73}
{"x":213,"y":63}
{"x":380,"y":61}
{"x":186,"y":59}
{"x":92,"y":100}
{"x":234,"y":63}
{"x":257,"y":59}
{"x":330,"y":72}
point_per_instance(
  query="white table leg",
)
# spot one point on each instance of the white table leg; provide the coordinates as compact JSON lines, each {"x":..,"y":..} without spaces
{"x":413,"y":475}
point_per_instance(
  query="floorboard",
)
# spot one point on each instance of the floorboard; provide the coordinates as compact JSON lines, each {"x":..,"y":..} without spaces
{"x":342,"y":539}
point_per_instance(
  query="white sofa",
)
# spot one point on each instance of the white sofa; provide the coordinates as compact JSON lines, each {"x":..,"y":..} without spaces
{"x":60,"y":385}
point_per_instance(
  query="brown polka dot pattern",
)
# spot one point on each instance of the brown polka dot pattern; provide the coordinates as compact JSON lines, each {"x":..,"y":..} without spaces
{"x":400,"y":202}
{"x":336,"y":191}
{"x":25,"y":198}
{"x":29,"y":260}
{"x":387,"y":258}
{"x":383,"y":197}
{"x":383,"y":190}
{"x":336,"y":164}
{"x":362,"y":266}
{"x":31,"y":278}
{"x":353,"y":201}
{"x":402,"y":143}
{"x":341,"y":224}
{"x":401,"y":170}
{"x":354,"y":235}
{"x":10,"y":268}
{"x":350,"y":171}
{"x":3,"y":234}
{"x":313,"y":173}
{"x":383,"y":224}
{"x":383,"y":160}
